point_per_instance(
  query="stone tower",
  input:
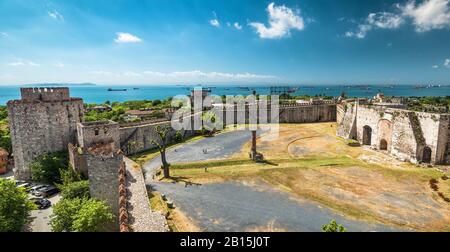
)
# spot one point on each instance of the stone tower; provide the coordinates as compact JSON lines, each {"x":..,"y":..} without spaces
{"x":44,"y":120}
{"x":99,"y":144}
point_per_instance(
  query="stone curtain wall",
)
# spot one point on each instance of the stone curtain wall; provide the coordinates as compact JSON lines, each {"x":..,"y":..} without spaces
{"x":407,"y":133}
{"x":38,"y":127}
{"x":135,"y":139}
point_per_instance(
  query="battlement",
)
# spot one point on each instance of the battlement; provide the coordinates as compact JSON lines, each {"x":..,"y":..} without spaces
{"x":45,"y":94}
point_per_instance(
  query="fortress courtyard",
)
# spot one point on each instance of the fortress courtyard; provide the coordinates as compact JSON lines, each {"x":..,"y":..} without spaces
{"x":328,"y":177}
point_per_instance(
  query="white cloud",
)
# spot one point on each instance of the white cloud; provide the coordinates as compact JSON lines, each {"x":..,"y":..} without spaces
{"x":123,"y":37}
{"x":385,"y":20}
{"x":4,"y":34}
{"x":56,"y":15}
{"x":237,"y":26}
{"x":197,"y":74}
{"x":59,"y":65}
{"x":23,"y":63}
{"x":380,"y":20}
{"x":447,"y":63}
{"x":435,"y":66}
{"x":428,"y":15}
{"x":214,"y":22}
{"x":131,"y":74}
{"x":281,"y":20}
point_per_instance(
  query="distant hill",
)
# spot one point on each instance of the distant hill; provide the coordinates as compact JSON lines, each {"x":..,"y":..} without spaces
{"x":59,"y":84}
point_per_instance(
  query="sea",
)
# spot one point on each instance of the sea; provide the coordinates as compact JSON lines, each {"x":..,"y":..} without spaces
{"x":99,"y":93}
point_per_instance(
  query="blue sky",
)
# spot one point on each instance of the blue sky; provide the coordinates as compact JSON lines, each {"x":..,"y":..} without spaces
{"x":227,"y":41}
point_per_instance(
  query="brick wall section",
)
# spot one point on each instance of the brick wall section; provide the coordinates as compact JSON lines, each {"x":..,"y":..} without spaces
{"x":123,"y":202}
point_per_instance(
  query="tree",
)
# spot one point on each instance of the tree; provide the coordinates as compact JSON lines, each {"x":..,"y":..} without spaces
{"x":15,"y":206}
{"x":178,"y":137}
{"x":47,"y":167}
{"x":333,"y":226}
{"x":80,"y":215}
{"x":92,"y":216}
{"x":156,"y":102}
{"x":77,"y":189}
{"x":161,"y":144}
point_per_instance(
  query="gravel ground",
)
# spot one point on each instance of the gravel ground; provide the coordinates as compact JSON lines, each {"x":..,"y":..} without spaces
{"x":237,"y":207}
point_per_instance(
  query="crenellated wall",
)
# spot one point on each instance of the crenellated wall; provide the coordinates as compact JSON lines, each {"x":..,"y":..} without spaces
{"x":44,"y":120}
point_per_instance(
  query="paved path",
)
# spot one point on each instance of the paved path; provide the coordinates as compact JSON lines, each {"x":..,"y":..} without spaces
{"x":41,"y":218}
{"x":218,"y":147}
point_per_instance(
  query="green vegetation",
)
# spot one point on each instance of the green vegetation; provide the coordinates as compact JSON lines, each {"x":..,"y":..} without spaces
{"x":80,"y":215}
{"x":15,"y":207}
{"x":5,"y":138}
{"x":77,"y":212}
{"x":333,"y":227}
{"x":429,"y":104}
{"x":118,"y":109}
{"x":77,"y":189}
{"x":48,"y":167}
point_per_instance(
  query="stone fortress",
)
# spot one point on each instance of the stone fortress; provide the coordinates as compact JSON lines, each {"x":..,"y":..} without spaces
{"x":48,"y":120}
{"x":416,"y":137}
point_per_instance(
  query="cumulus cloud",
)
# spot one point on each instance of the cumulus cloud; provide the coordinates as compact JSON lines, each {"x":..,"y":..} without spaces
{"x":281,"y":21}
{"x":237,"y":26}
{"x":215,"y":21}
{"x":428,"y":15}
{"x":56,"y":15}
{"x":380,"y":20}
{"x":123,"y":37}
{"x":447,"y":63}
{"x":20,"y":63}
{"x":435,"y":66}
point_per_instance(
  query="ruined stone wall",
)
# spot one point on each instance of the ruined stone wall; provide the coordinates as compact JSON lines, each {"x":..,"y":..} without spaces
{"x":346,"y":120}
{"x":91,"y":133}
{"x":135,"y":139}
{"x":77,"y":160}
{"x":38,"y":127}
{"x":405,"y":133}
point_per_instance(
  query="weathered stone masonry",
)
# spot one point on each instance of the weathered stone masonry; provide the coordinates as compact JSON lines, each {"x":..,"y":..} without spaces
{"x":44,"y":120}
{"x":408,"y":135}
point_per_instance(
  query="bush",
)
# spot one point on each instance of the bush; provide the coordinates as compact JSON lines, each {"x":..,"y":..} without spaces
{"x":47,"y":168}
{"x":80,"y":215}
{"x":333,"y":227}
{"x":15,"y":206}
{"x":178,"y":137}
{"x":78,"y":189}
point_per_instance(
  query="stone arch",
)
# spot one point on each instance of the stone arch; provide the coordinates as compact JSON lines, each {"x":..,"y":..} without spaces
{"x":426,"y":155}
{"x":383,"y":144}
{"x":367,"y":135}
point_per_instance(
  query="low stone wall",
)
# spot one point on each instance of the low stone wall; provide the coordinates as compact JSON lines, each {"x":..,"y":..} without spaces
{"x":140,"y":217}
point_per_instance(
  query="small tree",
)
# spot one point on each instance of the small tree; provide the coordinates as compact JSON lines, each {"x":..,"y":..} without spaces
{"x":47,"y":167}
{"x":92,"y":216}
{"x":80,"y":215}
{"x":161,"y":143}
{"x":78,"y":189}
{"x":178,"y":137}
{"x":15,"y":206}
{"x":333,"y":226}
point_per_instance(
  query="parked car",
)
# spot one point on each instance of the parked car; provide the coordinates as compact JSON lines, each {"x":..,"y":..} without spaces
{"x":36,"y":187}
{"x":25,"y":185}
{"x":42,"y":203}
{"x":46,"y":191}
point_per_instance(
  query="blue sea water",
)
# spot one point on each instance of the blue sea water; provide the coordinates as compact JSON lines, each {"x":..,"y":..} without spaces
{"x":100,"y":93}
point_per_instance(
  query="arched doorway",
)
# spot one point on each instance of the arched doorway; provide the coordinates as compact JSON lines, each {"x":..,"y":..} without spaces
{"x":426,"y":157}
{"x":367,"y":135}
{"x":383,"y":144}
